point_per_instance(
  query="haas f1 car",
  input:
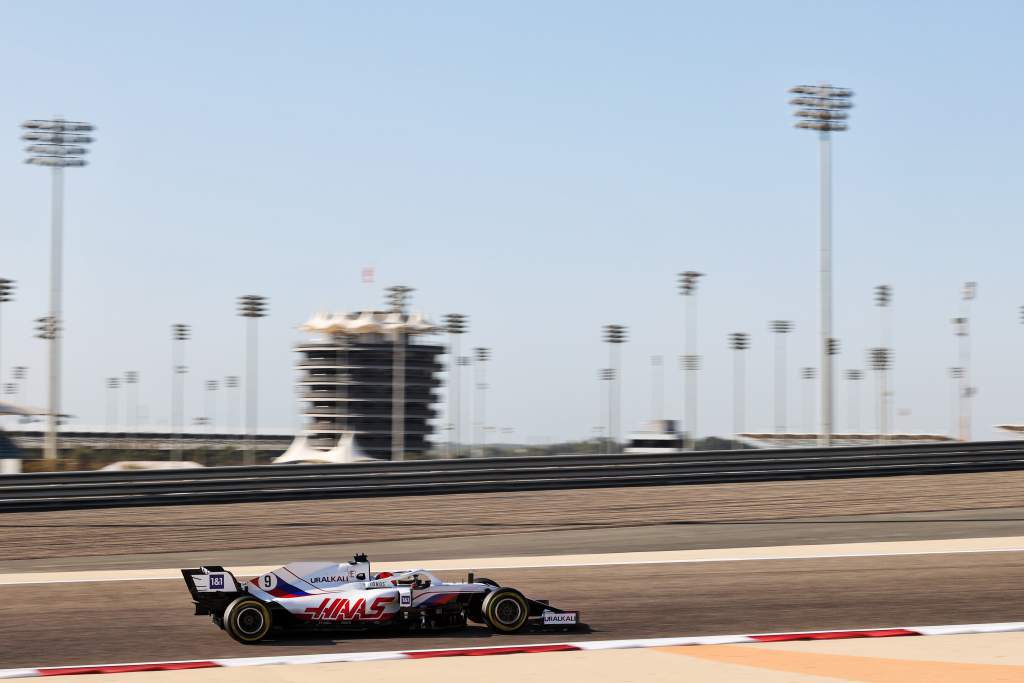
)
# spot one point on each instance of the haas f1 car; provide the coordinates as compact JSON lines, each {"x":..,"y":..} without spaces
{"x":348,"y":596}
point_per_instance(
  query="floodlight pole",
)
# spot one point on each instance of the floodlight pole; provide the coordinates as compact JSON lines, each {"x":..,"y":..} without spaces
{"x":739,"y":342}
{"x":231,"y":383}
{"x":6,"y":289}
{"x":614,"y":335}
{"x":480,"y":356}
{"x":180,"y":333}
{"x":968,"y":390}
{"x":822,"y":108}
{"x":808,"y":374}
{"x":50,"y":448}
{"x":252,"y":307}
{"x":606,"y":377}
{"x":455,"y":325}
{"x":131,"y":378}
{"x":60,"y":147}
{"x":825,"y":440}
{"x":687,"y":284}
{"x":853,"y":398}
{"x":780,"y":328}
{"x":398,"y":297}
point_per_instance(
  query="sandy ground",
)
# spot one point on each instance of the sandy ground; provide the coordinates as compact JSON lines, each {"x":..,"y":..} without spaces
{"x":987,"y":658}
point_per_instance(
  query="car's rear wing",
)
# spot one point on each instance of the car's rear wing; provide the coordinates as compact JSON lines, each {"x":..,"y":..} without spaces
{"x":212,"y":588}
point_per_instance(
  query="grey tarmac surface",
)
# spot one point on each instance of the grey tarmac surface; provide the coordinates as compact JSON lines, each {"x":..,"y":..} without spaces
{"x":65,"y":624}
{"x":527,"y":523}
{"x":680,"y":536}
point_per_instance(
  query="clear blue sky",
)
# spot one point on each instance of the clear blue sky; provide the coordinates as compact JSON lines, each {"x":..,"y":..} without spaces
{"x":543,"y":167}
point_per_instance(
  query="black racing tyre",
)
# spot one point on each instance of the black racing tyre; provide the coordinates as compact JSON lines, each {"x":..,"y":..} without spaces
{"x":247,"y":620}
{"x":505,"y":610}
{"x":474,"y":611}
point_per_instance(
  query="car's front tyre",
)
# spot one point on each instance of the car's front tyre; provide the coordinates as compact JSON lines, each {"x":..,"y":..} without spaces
{"x":247,"y":620}
{"x":505,"y":610}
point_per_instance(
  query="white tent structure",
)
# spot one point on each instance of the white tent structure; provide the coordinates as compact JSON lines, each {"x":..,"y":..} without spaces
{"x":345,"y":451}
{"x":368,"y":322}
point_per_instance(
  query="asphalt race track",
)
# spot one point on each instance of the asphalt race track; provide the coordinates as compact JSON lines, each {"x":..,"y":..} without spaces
{"x":131,"y":621}
{"x":62,"y":624}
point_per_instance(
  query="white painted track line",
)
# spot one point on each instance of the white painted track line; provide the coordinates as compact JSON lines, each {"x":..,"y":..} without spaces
{"x":1009,"y":544}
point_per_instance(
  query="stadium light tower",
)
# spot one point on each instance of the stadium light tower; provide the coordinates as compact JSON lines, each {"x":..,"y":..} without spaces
{"x":883,"y":300}
{"x":691,"y":363}
{"x":131,"y":379}
{"x":880,"y":359}
{"x":231,"y":383}
{"x":962,"y":329}
{"x":57,"y":144}
{"x":823,"y":108}
{"x":466,"y":362}
{"x":481,"y":355}
{"x":455,"y":325}
{"x":398,"y":298}
{"x":808,"y":374}
{"x":780,"y":328}
{"x":211,"y":403}
{"x":606,"y":376}
{"x":853,"y":398}
{"x":113,"y":384}
{"x":956,"y":373}
{"x":20,"y":374}
{"x":180,"y":334}
{"x":614,"y":335}
{"x":6,"y":295}
{"x":252,"y":307}
{"x":739,"y":342}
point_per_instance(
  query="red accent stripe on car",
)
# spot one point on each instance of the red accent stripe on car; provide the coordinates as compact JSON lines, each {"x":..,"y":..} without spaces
{"x":836,"y":635}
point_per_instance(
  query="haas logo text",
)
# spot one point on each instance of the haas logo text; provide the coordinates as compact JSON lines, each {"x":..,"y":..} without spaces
{"x":349,"y":610}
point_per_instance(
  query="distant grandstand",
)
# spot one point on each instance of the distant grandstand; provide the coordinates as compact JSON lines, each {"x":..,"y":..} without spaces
{"x":811,"y":440}
{"x":30,"y":441}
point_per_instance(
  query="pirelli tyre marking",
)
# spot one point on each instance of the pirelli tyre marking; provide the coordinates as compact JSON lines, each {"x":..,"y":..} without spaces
{"x":247,"y":620}
{"x":506,"y":610}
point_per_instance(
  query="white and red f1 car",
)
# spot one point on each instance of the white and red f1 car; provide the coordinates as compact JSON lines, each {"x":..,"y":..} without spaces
{"x":348,"y":596}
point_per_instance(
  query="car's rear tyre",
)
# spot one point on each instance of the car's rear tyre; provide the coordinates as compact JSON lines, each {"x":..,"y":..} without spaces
{"x":247,"y":620}
{"x":505,"y":610}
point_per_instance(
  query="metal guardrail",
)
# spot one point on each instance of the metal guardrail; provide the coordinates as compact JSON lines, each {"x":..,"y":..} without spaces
{"x":74,"y":490}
